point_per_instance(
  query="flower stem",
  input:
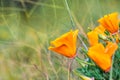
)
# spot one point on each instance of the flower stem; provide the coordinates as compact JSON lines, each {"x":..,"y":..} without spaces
{"x":82,"y":61}
{"x":111,"y":70}
{"x":69,"y":67}
{"x":69,"y":12}
{"x":73,"y":23}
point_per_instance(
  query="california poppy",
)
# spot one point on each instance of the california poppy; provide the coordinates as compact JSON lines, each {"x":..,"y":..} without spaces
{"x":101,"y":55}
{"x":93,"y":35}
{"x":110,"y":22}
{"x":65,"y":44}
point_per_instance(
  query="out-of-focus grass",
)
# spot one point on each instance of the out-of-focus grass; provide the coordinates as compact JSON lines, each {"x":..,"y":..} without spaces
{"x":27,"y":27}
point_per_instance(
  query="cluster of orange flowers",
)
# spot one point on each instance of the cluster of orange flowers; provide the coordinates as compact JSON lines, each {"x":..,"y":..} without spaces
{"x":101,"y":54}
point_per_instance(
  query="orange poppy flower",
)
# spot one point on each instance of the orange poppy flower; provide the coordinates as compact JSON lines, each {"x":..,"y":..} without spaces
{"x":101,"y":55}
{"x":93,"y":35}
{"x":100,"y":29}
{"x":110,"y":22}
{"x":66,"y":44}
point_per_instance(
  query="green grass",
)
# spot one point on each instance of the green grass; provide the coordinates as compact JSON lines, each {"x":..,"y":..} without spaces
{"x":25,"y":34}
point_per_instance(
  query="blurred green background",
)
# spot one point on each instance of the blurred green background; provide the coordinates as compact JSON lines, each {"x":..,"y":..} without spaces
{"x":28,"y":26}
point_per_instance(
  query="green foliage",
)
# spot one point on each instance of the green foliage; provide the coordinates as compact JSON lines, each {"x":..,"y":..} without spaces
{"x":94,"y":71}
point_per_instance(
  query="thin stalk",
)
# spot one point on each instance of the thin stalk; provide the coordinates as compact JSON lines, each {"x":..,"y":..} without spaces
{"x":8,"y":26}
{"x":82,"y":61}
{"x":73,"y":24}
{"x":82,"y":43}
{"x":69,"y":68}
{"x":111,"y":70}
{"x":71,"y":18}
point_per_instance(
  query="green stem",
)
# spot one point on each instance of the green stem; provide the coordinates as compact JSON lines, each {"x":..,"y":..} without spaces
{"x":73,"y":24}
{"x":82,"y":61}
{"x":111,"y":70}
{"x":68,"y":9}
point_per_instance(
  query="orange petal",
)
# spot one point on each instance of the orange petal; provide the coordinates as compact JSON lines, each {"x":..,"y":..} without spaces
{"x":65,"y":44}
{"x":100,"y":29}
{"x":97,"y":54}
{"x":111,"y":48}
{"x":93,"y":37}
{"x":110,"y":22}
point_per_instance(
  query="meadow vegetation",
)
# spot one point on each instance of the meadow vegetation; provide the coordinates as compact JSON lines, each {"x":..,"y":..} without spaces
{"x":28,"y":26}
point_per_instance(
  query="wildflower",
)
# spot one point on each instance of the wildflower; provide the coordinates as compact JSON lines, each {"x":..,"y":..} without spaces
{"x":93,"y":35}
{"x":102,"y":56}
{"x":65,"y":44}
{"x":110,"y":22}
{"x":100,"y":29}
